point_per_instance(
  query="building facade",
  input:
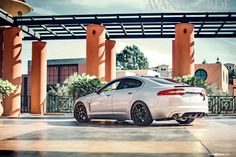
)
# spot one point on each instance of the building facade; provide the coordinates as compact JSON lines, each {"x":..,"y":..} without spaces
{"x":230,"y":66}
{"x":232,"y":88}
{"x":163,"y":70}
{"x":213,"y":74}
{"x":60,"y":69}
{"x":57,"y":71}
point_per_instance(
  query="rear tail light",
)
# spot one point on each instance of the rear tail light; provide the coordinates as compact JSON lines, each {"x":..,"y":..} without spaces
{"x":175,"y":91}
{"x":203,"y":93}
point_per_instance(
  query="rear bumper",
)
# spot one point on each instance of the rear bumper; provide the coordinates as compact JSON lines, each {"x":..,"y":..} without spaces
{"x":189,"y":115}
{"x":173,"y":108}
{"x":186,"y":110}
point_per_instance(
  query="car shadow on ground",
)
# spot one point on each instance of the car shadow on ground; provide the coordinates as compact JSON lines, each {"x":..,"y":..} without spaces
{"x":113,"y":124}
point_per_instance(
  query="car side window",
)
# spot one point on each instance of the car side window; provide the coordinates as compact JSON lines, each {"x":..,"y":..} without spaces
{"x":111,"y":86}
{"x":129,"y":83}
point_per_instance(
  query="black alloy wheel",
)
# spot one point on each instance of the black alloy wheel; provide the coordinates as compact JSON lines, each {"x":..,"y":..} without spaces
{"x":140,"y":114}
{"x":80,"y":113}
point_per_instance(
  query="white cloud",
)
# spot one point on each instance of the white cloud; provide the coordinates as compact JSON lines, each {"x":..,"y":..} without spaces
{"x":228,"y":41}
{"x":109,"y":3}
{"x":67,"y":49}
{"x":43,"y":11}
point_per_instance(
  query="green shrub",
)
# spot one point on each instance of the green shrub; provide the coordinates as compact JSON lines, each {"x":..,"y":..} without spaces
{"x":6,"y":88}
{"x":55,"y":90}
{"x":192,"y":81}
{"x":211,"y":89}
{"x":77,"y":86}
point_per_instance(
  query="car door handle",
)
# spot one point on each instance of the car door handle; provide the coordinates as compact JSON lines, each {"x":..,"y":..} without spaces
{"x":108,"y":94}
{"x":130,"y":92}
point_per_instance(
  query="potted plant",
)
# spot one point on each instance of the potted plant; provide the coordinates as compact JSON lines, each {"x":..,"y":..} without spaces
{"x":6,"y":88}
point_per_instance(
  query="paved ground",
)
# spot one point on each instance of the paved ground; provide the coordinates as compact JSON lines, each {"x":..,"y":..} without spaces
{"x":62,"y":136}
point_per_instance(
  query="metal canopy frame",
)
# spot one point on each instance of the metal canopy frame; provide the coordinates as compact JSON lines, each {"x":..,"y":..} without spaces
{"x":143,"y":25}
{"x":7,"y":20}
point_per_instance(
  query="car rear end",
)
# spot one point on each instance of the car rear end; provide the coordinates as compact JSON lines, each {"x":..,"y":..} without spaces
{"x":175,"y":100}
{"x":182,"y":102}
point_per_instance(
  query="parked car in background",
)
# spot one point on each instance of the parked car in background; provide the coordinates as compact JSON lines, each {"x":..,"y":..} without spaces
{"x":143,"y":99}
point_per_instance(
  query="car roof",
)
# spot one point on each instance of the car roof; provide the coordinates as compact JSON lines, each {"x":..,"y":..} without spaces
{"x":146,"y":79}
{"x":134,"y":77}
{"x":142,"y":78}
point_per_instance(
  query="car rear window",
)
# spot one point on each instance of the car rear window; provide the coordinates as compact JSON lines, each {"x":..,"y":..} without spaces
{"x":163,"y":81}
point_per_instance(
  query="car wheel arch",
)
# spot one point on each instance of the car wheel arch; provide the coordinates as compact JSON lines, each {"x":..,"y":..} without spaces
{"x":85,"y":105}
{"x":132,"y":104}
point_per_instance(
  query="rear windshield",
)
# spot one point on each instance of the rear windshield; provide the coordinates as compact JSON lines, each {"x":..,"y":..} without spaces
{"x":165,"y":81}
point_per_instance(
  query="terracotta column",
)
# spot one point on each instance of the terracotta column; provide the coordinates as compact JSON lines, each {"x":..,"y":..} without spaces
{"x":39,"y":78}
{"x":11,"y":69}
{"x":110,"y":62}
{"x":95,"y":55}
{"x":173,"y":59}
{"x":184,"y":49}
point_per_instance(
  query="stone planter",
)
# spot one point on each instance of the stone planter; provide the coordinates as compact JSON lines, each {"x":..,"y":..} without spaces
{"x":1,"y":108}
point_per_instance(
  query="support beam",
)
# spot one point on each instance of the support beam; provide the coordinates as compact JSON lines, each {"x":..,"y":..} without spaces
{"x":11,"y":69}
{"x":110,"y":62}
{"x":39,"y":78}
{"x":95,"y":53}
{"x":184,"y":50}
{"x":5,"y":18}
{"x":64,"y":27}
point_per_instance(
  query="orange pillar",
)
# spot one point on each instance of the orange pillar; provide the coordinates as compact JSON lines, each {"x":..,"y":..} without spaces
{"x":95,"y":55}
{"x":173,"y":59}
{"x":110,"y":62}
{"x":39,"y":78}
{"x":11,"y":69}
{"x":184,"y":49}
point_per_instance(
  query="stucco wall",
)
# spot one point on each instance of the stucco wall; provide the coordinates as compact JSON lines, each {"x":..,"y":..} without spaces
{"x":216,"y":73}
{"x":234,"y":87}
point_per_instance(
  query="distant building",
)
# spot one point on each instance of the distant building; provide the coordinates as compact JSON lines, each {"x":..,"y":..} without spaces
{"x":230,"y":66}
{"x":57,"y":71}
{"x":213,"y":73}
{"x":163,"y":69}
{"x":232,"y":88}
{"x":60,"y":69}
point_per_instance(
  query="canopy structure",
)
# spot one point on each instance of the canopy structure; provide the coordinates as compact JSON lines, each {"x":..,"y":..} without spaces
{"x":143,"y":25}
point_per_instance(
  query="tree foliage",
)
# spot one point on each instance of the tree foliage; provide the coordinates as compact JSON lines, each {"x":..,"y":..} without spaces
{"x":131,"y":58}
{"x":6,"y":88}
{"x":77,"y":86}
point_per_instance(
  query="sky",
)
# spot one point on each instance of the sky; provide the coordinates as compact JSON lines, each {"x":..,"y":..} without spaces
{"x":158,"y":51}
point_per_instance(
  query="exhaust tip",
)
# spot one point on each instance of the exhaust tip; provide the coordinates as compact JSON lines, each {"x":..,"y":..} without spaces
{"x":176,"y":116}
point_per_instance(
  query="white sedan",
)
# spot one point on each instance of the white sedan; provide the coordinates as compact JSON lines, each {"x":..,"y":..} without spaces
{"x":143,"y":99}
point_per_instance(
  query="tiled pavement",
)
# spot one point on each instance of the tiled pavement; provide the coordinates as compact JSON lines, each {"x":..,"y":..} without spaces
{"x":62,"y":136}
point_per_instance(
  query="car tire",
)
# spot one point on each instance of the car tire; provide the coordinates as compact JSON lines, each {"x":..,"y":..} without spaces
{"x":140,"y":114}
{"x":80,"y":113}
{"x":185,"y":120}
